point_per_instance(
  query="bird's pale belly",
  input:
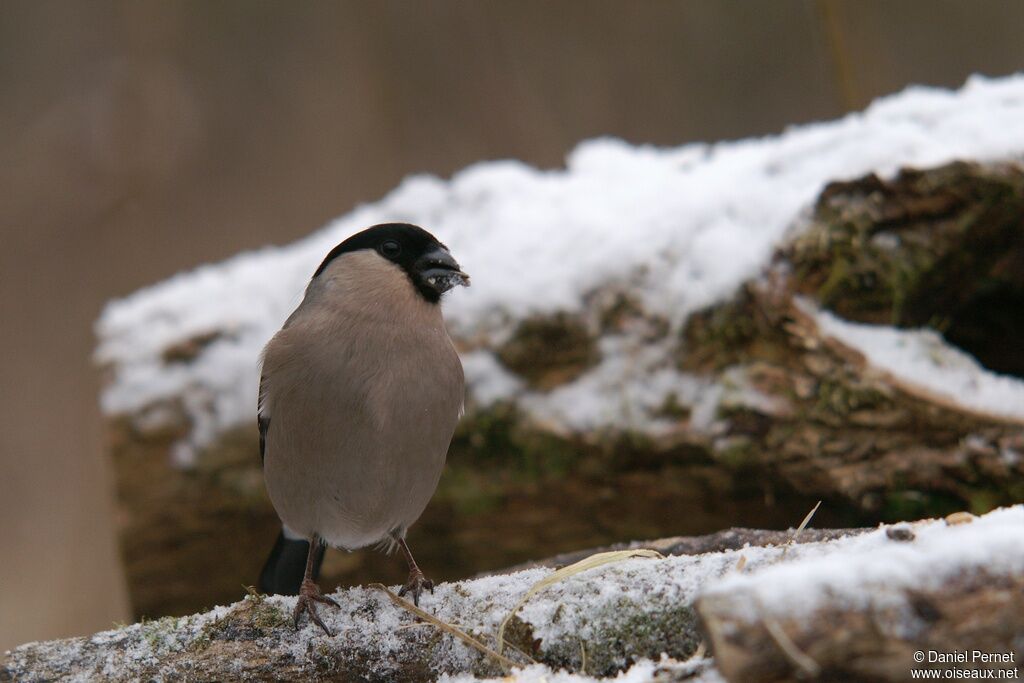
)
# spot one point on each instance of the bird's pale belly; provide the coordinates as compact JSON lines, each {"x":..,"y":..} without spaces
{"x":364,"y":474}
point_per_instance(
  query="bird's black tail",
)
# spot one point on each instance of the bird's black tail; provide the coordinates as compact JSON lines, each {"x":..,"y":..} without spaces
{"x":284,"y":570}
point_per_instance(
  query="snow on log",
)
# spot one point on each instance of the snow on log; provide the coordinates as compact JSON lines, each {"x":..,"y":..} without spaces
{"x":598,"y":259}
{"x":890,"y":592}
{"x":860,"y":608}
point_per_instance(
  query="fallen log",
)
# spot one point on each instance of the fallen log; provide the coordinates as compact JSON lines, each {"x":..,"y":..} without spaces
{"x":913,"y":583}
{"x":921,"y":596}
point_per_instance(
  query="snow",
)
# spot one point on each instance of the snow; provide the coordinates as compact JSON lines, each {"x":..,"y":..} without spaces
{"x":875,"y":569}
{"x":694,"y":670}
{"x":621,"y":612}
{"x":621,"y":392}
{"x":369,"y":628}
{"x":587,"y":606}
{"x":922,"y":362}
{"x":678,"y":229}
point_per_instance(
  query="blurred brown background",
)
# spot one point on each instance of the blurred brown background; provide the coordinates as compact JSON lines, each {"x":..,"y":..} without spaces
{"x":141,"y":138}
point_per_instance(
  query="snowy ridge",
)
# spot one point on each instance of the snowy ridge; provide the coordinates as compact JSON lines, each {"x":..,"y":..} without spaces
{"x":679,"y":229}
{"x":874,"y":569}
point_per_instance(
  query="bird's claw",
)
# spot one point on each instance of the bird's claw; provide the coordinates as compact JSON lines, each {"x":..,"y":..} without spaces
{"x":309,"y":595}
{"x":415,"y":585}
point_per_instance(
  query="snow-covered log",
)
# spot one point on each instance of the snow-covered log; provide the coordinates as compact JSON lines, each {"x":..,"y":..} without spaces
{"x":939,"y":595}
{"x":912,"y":584}
{"x":657,"y":341}
{"x":890,"y":416}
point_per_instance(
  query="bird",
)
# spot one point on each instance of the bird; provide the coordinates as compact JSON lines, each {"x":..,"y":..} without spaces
{"x":360,"y":393}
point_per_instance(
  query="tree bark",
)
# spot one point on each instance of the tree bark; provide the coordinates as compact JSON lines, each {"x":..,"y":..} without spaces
{"x":602,"y":620}
{"x":607,"y":623}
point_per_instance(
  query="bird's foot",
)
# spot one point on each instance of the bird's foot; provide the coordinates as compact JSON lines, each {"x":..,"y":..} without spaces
{"x":309,"y":595}
{"x":415,"y":585}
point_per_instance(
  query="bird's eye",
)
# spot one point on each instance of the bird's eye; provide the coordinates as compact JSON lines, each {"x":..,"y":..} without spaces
{"x":390,"y":249}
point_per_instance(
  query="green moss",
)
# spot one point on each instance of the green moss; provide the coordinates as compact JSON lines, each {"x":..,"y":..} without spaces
{"x":620,"y":635}
{"x":548,"y":351}
{"x":902,"y":504}
{"x":980,"y":502}
{"x":842,"y":398}
{"x":159,"y":634}
{"x":266,"y":617}
{"x":254,"y":618}
{"x":324,"y":660}
{"x":211,"y":631}
{"x":471,"y":492}
{"x":737,"y":452}
{"x":836,"y":285}
{"x":949,"y":231}
{"x":721,"y":335}
{"x":498,"y":439}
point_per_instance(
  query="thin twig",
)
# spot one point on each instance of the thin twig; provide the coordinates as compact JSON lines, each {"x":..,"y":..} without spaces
{"x":796,"y":657}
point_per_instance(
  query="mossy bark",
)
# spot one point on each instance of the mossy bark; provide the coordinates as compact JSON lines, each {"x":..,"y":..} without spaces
{"x":596,"y":622}
{"x":510,"y":494}
{"x":870,"y":641}
{"x":255,"y":640}
{"x":939,"y":247}
{"x":942,"y":248}
{"x":836,"y":428}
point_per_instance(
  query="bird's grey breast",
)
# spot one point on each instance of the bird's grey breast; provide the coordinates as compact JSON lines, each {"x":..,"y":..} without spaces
{"x":363,"y":390}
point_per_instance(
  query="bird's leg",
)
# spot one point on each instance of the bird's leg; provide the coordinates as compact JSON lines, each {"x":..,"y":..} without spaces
{"x":417,"y":582}
{"x":309,"y":592}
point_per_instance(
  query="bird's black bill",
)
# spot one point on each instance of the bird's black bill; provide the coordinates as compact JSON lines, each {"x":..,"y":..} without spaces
{"x":441,"y":271}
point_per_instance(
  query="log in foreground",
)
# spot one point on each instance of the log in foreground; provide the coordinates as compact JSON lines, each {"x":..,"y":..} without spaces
{"x":858,"y":605}
{"x":943,"y":595}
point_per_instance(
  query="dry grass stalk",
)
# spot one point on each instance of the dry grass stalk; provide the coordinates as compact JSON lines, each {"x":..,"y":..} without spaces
{"x":447,"y":628}
{"x":803,"y":525}
{"x":564,"y":573}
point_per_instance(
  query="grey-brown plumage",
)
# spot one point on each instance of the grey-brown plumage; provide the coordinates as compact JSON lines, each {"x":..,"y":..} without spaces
{"x":360,"y":394}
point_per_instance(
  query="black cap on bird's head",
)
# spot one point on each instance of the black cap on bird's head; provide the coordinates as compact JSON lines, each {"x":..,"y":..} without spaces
{"x":427,"y":262}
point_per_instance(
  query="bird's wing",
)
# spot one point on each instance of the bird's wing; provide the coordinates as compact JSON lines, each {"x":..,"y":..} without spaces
{"x":262,"y":420}
{"x":262,"y":411}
